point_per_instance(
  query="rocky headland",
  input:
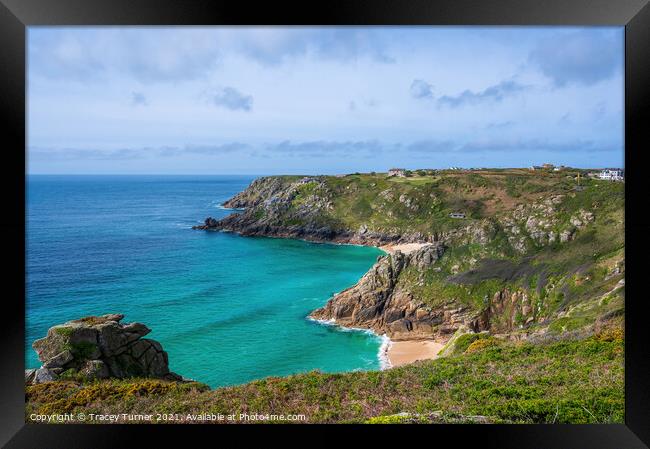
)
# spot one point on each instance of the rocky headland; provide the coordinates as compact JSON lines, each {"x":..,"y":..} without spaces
{"x":530,"y":253}
{"x":378,"y":302}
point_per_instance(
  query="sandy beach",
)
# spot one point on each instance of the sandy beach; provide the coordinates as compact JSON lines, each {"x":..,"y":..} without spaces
{"x":405,"y":248}
{"x":408,"y":351}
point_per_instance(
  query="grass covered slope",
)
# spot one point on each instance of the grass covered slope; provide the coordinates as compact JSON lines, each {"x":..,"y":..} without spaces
{"x":572,"y":283}
{"x":489,"y":380}
{"x":419,"y":206}
{"x":545,"y":254}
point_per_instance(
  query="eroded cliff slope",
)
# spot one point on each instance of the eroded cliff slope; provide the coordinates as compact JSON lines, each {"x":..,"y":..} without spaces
{"x":506,"y":251}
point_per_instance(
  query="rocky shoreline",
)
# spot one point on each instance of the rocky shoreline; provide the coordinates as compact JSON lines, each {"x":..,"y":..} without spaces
{"x":487,"y":284}
{"x":263,"y":206}
{"x":377,"y":303}
{"x":239,"y":224}
{"x":374,"y":303}
{"x":389,"y":311}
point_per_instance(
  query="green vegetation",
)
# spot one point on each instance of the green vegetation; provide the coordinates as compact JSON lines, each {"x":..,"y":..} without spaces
{"x":389,"y":419}
{"x":92,"y":320}
{"x":480,"y":343}
{"x":64,"y":331}
{"x":66,"y":396}
{"x":464,"y":341}
{"x":568,"y":285}
{"x":570,"y":381}
{"x":422,"y":200}
{"x":81,"y":350}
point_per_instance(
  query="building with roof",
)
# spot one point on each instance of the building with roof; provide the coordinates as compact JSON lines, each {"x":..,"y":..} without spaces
{"x":399,"y":172}
{"x":611,"y":174}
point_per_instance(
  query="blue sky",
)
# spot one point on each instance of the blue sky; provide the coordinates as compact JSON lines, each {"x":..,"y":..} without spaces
{"x":272,"y":100}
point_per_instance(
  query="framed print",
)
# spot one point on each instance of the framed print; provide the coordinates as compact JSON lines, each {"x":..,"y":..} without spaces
{"x":352,"y":217}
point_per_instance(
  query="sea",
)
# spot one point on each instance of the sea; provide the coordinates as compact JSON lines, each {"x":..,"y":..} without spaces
{"x":228,"y":309}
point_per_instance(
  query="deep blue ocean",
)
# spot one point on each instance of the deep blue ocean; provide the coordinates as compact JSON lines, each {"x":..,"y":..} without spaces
{"x":228,"y":309}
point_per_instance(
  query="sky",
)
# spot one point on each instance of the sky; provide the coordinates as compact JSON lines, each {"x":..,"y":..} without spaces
{"x":321,"y":100}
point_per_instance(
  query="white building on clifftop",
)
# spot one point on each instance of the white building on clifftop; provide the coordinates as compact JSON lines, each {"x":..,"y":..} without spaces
{"x":399,"y":172}
{"x":611,"y":174}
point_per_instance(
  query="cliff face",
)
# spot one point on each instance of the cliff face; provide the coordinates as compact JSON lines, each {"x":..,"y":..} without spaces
{"x":375,"y":210}
{"x":280,"y":207}
{"x":380,"y":303}
{"x":532,"y":253}
{"x":260,"y":190}
{"x":406,"y":297}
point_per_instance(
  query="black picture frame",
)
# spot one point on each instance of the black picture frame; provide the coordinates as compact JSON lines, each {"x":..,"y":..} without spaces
{"x":16,"y":15}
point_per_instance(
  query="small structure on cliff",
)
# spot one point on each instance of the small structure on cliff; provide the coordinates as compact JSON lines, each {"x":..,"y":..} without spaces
{"x":611,"y":174}
{"x":399,"y":172}
{"x":99,"y":347}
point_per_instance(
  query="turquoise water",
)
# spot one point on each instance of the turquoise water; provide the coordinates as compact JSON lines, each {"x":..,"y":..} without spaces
{"x":227,"y":309}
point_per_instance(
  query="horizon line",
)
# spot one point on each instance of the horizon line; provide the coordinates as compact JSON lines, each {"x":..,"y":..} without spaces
{"x":310,"y":174}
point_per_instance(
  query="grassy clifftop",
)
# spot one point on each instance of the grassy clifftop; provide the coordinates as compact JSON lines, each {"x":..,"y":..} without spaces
{"x":491,"y":380}
{"x":422,"y":203}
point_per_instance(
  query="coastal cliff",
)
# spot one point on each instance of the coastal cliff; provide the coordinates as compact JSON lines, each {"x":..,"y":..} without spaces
{"x":326,"y":209}
{"x":510,"y":252}
{"x":406,"y":296}
{"x":374,"y":209}
{"x":527,"y":291}
{"x":380,"y":302}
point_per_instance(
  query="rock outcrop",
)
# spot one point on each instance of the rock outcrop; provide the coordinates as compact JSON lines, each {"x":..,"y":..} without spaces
{"x":379,"y":303}
{"x":99,"y":347}
{"x":260,"y":190}
{"x":382,"y":302}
